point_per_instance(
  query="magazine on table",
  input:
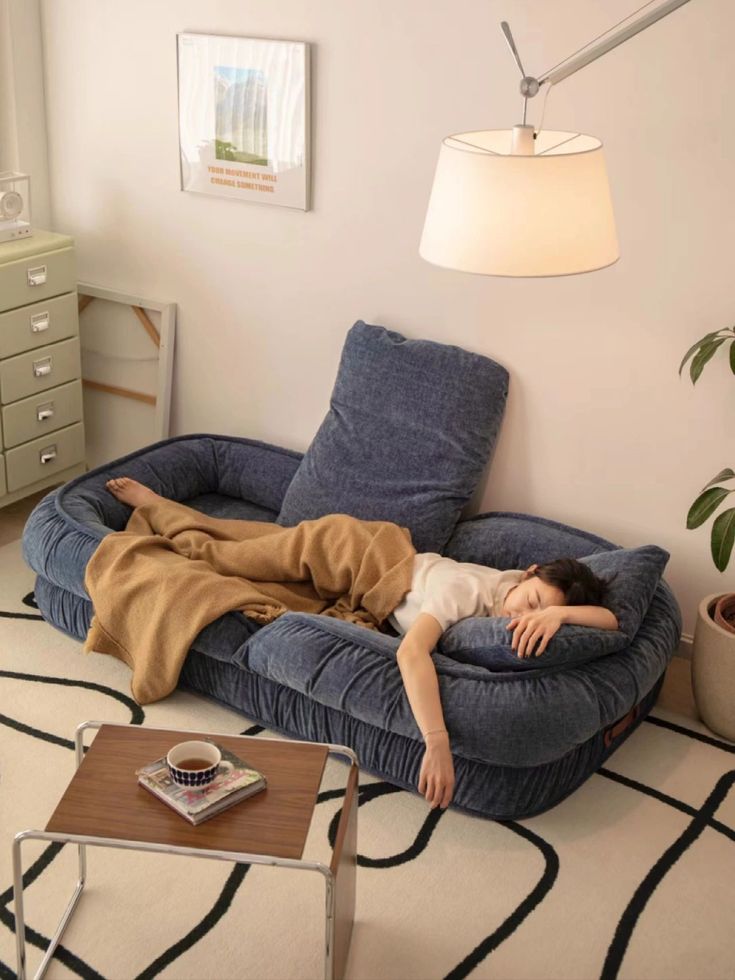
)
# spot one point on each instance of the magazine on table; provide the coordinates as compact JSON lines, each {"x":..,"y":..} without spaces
{"x":236,"y":781}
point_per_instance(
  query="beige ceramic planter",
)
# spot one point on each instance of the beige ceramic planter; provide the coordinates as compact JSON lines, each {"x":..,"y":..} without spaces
{"x":713,"y":671}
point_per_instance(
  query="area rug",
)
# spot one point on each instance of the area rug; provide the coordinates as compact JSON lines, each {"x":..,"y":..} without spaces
{"x":631,"y":877}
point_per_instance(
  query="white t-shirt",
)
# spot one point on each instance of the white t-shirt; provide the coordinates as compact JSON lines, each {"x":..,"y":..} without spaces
{"x":452,"y":590}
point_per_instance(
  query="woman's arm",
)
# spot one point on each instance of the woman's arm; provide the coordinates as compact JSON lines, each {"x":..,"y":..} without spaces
{"x":418,"y":673}
{"x":436,"y":779}
{"x":597,"y":616}
{"x":537,"y":627}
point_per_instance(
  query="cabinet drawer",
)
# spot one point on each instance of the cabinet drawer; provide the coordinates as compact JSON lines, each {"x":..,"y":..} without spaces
{"x":37,"y":277}
{"x":40,"y":414}
{"x":38,"y":324}
{"x":36,"y":460}
{"x":39,"y":370}
{"x":3,"y":488}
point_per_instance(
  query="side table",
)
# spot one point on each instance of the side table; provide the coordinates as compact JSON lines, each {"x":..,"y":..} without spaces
{"x":104,"y":806}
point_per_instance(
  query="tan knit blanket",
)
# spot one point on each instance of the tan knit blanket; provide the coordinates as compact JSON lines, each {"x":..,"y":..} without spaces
{"x":173,"y":571}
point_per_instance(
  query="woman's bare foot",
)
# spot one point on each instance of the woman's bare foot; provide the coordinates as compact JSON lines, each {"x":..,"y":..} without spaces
{"x":131,"y":492}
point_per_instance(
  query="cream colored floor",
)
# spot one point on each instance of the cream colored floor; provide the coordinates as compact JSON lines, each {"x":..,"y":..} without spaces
{"x":14,"y":516}
{"x":676,"y":693}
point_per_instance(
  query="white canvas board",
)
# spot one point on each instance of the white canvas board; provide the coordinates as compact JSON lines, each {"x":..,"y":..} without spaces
{"x":118,"y":352}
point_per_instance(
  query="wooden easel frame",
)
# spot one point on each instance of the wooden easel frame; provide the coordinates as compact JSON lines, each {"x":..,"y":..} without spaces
{"x":163,"y":342}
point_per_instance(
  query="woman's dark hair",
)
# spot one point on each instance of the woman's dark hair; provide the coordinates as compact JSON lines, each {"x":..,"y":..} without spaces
{"x":580,"y":585}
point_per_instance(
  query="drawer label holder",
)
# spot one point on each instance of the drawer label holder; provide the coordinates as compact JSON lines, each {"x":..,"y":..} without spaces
{"x":42,"y":367}
{"x":37,"y":276}
{"x":40,"y":322}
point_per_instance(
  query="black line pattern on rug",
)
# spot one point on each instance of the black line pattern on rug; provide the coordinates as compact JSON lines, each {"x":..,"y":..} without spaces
{"x":373,"y":790}
{"x":30,"y":874}
{"x":656,"y":874}
{"x":516,"y":918}
{"x":671,"y":801}
{"x":136,"y":711}
{"x":629,"y":919}
{"x":718,"y":743}
{"x":28,"y":600}
{"x":367,"y":793}
{"x":210,"y":920}
{"x":509,"y":925}
{"x":253,"y":730}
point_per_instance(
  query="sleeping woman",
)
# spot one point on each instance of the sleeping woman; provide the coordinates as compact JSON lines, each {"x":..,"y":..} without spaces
{"x":538,"y":600}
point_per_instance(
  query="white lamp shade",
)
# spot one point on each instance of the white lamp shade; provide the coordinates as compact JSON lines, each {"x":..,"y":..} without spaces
{"x":502,"y":214}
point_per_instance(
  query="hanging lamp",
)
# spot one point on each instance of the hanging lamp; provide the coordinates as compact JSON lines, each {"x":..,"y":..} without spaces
{"x":522,"y":202}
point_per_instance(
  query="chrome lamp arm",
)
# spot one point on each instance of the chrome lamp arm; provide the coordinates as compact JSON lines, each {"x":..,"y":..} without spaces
{"x":531,"y":85}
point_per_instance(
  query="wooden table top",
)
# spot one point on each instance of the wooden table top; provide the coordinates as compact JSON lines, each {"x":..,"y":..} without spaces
{"x":104,"y":798}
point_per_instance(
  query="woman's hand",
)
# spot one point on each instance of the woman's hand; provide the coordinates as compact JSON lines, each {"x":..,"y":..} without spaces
{"x":436,"y":779}
{"x":535,"y":627}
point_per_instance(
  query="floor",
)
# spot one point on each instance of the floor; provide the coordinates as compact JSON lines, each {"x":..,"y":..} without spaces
{"x":14,"y":516}
{"x":676,"y":693}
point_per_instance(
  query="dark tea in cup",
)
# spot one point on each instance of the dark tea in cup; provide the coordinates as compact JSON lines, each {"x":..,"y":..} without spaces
{"x":193,"y":764}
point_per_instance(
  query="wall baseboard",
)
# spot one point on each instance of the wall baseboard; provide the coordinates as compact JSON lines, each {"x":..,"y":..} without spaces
{"x":685,"y":647}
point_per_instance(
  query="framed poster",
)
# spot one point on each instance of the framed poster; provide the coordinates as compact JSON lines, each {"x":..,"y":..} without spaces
{"x":244,"y":118}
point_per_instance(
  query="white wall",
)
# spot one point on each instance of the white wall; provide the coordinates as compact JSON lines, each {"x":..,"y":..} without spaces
{"x":23,"y":144}
{"x":600,"y":432}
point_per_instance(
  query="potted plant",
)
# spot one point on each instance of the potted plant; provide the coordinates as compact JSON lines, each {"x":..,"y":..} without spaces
{"x":713,"y":651}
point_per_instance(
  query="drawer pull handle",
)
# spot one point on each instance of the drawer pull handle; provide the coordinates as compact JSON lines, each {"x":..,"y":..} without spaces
{"x":42,"y":367}
{"x":48,"y":454}
{"x":40,"y":322}
{"x":37,"y":276}
{"x":45,"y":411}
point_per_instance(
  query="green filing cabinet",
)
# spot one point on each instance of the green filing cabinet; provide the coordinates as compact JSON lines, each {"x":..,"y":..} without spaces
{"x":41,"y":409}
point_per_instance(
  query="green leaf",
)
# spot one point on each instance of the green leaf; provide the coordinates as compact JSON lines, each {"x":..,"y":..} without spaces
{"x":732,"y":356}
{"x":705,"y":504}
{"x":723,"y":538}
{"x":726,"y":474}
{"x":691,"y":350}
{"x":705,"y":353}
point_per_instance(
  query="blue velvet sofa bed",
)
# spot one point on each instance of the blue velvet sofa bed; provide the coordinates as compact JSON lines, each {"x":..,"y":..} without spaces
{"x":409,"y":432}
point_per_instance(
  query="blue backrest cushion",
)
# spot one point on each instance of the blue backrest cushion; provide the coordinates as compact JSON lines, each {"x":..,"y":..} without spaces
{"x":486,"y":641}
{"x":410,"y":428}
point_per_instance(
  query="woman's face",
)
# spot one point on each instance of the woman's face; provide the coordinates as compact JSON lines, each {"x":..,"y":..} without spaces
{"x":531,"y":594}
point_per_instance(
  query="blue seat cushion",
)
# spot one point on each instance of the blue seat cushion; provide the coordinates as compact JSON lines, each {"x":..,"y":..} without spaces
{"x":409,"y":431}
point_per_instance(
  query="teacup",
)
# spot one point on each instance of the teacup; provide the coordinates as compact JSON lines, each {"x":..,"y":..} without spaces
{"x":193,"y":763}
